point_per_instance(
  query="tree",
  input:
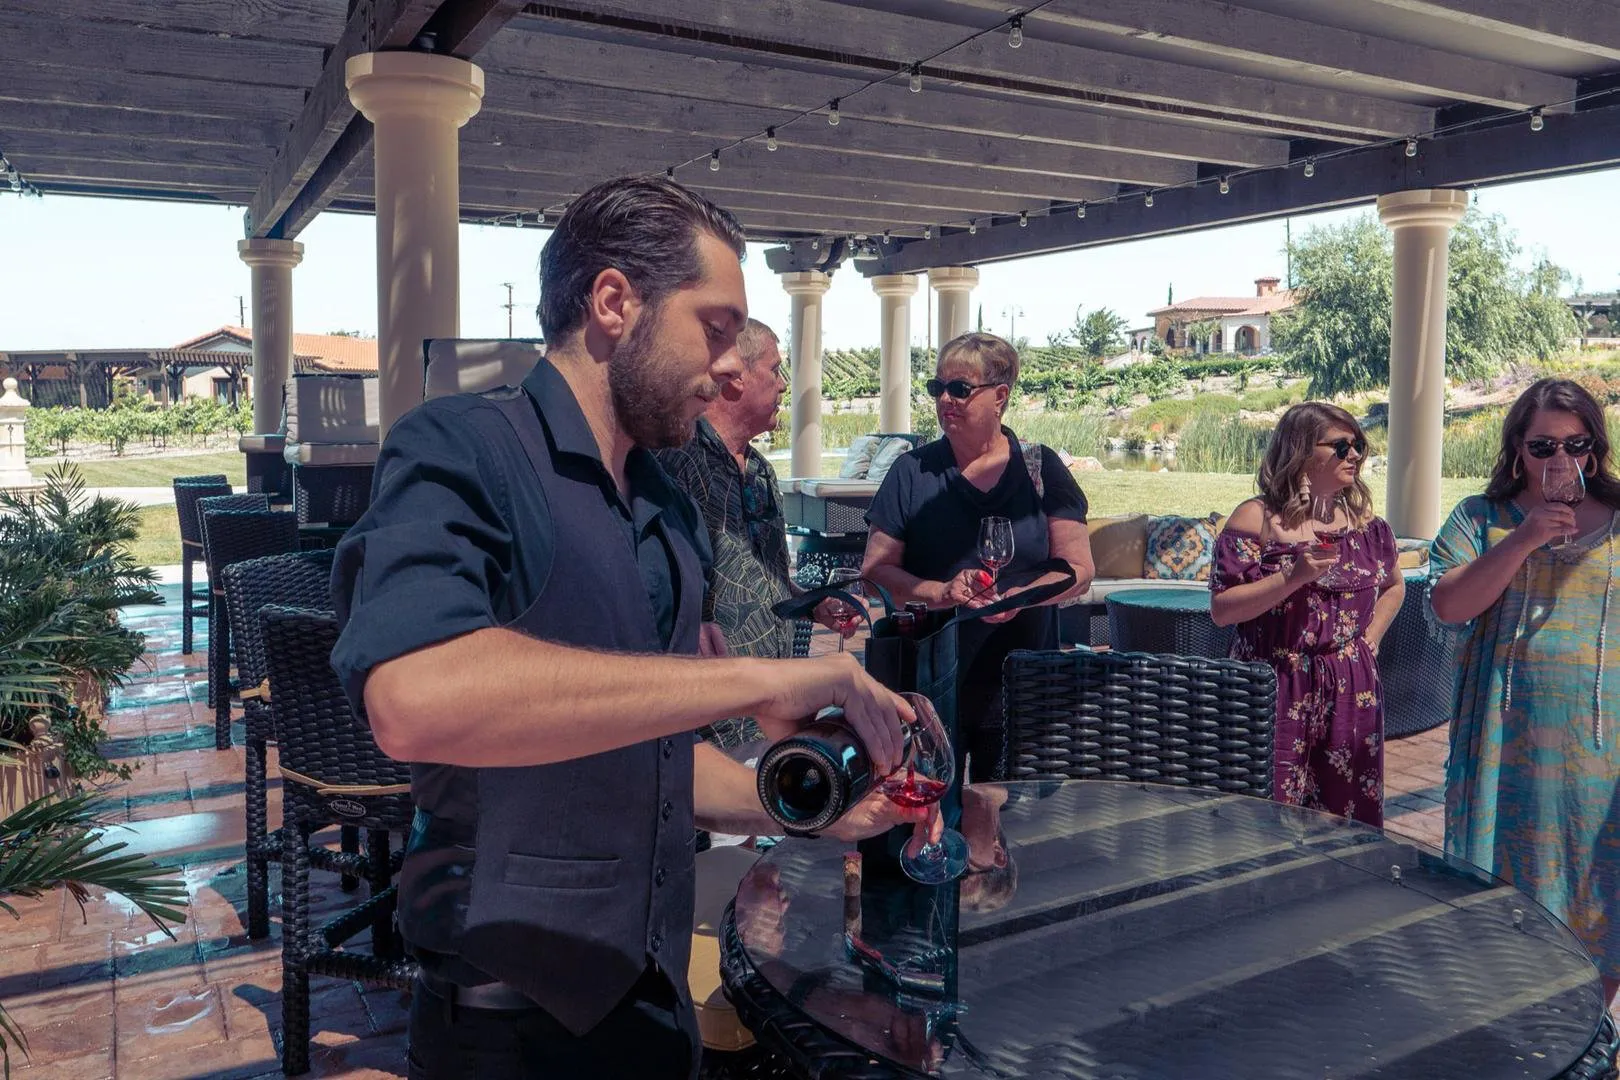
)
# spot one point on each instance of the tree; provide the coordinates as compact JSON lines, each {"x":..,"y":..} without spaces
{"x":1098,"y":335}
{"x":1339,"y":334}
{"x":1207,"y":331}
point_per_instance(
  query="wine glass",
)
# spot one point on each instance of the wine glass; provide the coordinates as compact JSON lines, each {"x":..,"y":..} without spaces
{"x":1562,"y":481}
{"x":995,"y":546}
{"x":922,"y":780}
{"x":1324,"y":508}
{"x":849,"y":580}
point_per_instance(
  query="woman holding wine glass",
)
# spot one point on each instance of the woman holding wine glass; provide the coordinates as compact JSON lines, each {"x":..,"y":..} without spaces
{"x":929,"y":514}
{"x":1307,"y":573}
{"x":1533,"y":777}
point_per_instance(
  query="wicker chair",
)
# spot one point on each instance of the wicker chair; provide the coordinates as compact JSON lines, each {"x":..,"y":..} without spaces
{"x":332,"y":772}
{"x":1417,"y":664}
{"x":235,"y":527}
{"x":187,"y":490}
{"x":301,"y":580}
{"x":1140,"y":716}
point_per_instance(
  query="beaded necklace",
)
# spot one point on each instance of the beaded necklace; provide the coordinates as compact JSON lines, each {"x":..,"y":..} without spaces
{"x":1602,"y":636}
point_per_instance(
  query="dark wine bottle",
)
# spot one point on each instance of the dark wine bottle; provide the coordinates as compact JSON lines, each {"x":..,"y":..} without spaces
{"x":919,"y":611}
{"x":809,"y":779}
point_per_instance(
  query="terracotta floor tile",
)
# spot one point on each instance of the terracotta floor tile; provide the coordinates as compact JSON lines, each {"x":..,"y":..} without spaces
{"x":95,"y":1066}
{"x":63,"y":1026}
{"x":380,"y":1058}
{"x":165,"y":1020}
{"x":234,"y":1060}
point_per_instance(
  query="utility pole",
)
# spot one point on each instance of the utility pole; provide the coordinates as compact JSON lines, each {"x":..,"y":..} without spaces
{"x":241,"y":310}
{"x":507,"y":285}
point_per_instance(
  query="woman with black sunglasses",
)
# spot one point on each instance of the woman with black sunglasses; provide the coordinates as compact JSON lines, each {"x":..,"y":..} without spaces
{"x":1533,"y":778}
{"x":1308,"y":575}
{"x":925,"y":518}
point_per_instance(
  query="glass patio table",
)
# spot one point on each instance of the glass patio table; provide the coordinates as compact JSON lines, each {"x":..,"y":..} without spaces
{"x":1157,"y":933}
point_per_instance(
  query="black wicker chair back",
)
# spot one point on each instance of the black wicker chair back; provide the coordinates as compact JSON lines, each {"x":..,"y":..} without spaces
{"x":332,"y":772}
{"x":1417,"y":665}
{"x":1182,"y":720}
{"x":235,"y":527}
{"x":187,"y":490}
{"x":301,"y":580}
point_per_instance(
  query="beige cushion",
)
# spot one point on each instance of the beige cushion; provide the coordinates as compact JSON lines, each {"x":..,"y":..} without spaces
{"x":1411,"y":554}
{"x":883,"y":458}
{"x":1118,"y":545}
{"x":332,"y":408}
{"x":472,"y":365}
{"x":718,"y":872}
{"x":858,"y":458}
{"x":316,"y":454}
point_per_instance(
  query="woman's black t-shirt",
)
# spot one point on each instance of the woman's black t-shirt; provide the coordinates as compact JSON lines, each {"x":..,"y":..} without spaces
{"x":927,"y":505}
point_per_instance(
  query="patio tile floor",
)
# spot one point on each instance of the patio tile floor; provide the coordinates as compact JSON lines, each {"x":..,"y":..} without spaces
{"x":102,"y":993}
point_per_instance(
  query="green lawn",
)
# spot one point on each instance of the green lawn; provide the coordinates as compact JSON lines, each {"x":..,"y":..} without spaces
{"x":160,"y":471}
{"x":1193,"y":494}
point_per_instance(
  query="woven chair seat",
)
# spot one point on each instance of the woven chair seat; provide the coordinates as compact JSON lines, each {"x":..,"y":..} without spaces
{"x":234,"y":527}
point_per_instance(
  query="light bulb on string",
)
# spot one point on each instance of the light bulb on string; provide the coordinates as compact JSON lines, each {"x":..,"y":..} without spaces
{"x":916,"y":78}
{"x":1225,"y":186}
{"x":1147,"y":200}
{"x":770,"y":139}
{"x":1015,"y":32}
{"x":1080,"y":211}
{"x":519,"y":222}
{"x":928,"y":232}
{"x":832,"y":112}
{"x":1536,"y":120}
{"x":714,"y":161}
{"x":1411,"y":148}
{"x":886,"y":238}
{"x":815,"y":245}
{"x":973,"y":228}
{"x":1310,"y":167}
{"x":1023,"y":219}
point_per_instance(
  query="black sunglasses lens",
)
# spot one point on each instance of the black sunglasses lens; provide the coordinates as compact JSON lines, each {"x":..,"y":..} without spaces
{"x":1342,"y":448}
{"x":1541,"y":448}
{"x":934,"y":388}
{"x":957,"y":388}
{"x":1577,"y":445}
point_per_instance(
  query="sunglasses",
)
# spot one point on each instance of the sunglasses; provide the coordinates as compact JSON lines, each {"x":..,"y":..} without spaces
{"x":1342,"y":447}
{"x":1574,"y":446}
{"x":960,"y":389}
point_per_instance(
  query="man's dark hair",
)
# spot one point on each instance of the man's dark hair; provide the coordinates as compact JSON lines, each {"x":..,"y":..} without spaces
{"x":646,"y":228}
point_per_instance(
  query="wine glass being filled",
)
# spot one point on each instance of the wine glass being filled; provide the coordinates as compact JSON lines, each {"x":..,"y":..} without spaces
{"x":922,"y":780}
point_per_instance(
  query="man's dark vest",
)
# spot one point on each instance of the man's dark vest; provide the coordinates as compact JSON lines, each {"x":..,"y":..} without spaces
{"x":583,"y":869}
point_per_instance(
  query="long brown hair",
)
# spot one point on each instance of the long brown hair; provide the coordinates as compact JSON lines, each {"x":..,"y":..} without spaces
{"x":1282,"y":472}
{"x":1559,"y":395}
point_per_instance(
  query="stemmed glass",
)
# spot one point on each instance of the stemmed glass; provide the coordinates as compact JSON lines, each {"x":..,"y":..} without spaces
{"x":1562,"y":481}
{"x":850,"y":581}
{"x":995,"y":546}
{"x":922,"y":780}
{"x":1323,"y":509}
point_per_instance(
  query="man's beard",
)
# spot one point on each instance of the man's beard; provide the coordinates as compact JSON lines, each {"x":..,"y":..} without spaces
{"x":650,"y":395}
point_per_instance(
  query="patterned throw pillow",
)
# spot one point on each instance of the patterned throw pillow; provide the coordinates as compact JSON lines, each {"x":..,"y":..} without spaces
{"x":1179,"y":548}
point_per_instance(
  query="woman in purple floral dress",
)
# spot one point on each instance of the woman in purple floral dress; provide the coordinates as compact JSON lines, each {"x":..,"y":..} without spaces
{"x":1307,"y":574}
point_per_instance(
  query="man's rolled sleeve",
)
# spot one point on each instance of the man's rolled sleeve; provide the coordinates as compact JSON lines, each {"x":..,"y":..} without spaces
{"x":426,"y":560}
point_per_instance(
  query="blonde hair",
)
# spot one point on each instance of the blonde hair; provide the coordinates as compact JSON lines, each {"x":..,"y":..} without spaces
{"x":995,"y":358}
{"x":1282,"y":472}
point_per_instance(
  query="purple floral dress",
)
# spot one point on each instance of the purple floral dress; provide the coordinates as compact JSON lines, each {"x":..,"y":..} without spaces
{"x":1330,"y":711}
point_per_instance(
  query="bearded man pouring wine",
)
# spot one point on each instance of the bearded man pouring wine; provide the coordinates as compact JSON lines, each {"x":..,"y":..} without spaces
{"x":521,"y":609}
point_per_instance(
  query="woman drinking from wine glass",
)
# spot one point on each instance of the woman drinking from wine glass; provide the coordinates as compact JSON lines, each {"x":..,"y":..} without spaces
{"x":1307,"y":574}
{"x":1534,"y":771}
{"x":926,"y":528}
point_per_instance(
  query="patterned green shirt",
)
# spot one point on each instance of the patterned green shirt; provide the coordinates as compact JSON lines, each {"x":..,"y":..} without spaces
{"x":750,"y":572}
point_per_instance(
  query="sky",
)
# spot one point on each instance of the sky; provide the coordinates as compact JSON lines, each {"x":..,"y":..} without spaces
{"x":112,"y":273}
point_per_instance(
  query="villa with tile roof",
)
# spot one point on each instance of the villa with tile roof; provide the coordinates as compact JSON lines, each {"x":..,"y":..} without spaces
{"x":1245,"y":321}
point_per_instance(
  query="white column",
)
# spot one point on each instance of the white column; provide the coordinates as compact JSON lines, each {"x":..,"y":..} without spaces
{"x":271,"y":263}
{"x":14,"y":474}
{"x":1421,"y":221}
{"x":806,"y":287}
{"x":418,"y":102}
{"x":894,"y":372}
{"x":954,"y":284}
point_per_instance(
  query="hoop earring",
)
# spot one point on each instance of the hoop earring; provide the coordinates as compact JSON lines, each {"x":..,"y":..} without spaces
{"x":1518,"y":467}
{"x":1591,"y":466}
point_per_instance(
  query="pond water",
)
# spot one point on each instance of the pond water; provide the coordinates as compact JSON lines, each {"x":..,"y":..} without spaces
{"x":1138,"y":461}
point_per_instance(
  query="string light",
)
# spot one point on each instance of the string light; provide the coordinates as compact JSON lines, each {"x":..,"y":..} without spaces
{"x":1226,"y":186}
{"x":928,"y":232}
{"x":832,"y":112}
{"x":770,"y":139}
{"x":1080,"y":211}
{"x":886,"y":238}
{"x":1015,"y":32}
{"x":1310,"y":167}
{"x":1023,"y":219}
{"x":973,"y":228}
{"x":714,"y":161}
{"x":1411,"y":148}
{"x":669,"y":173}
{"x":1536,"y":120}
{"x":1147,"y":200}
{"x":916,"y":78}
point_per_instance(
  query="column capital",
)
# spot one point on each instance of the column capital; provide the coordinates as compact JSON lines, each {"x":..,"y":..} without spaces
{"x":801,"y":282}
{"x":384,"y":85}
{"x":895,"y":284}
{"x":953,"y":278}
{"x":1424,"y":206}
{"x":267,"y":252}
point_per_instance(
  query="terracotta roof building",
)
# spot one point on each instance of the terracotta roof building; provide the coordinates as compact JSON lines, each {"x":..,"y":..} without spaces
{"x":1244,"y":321}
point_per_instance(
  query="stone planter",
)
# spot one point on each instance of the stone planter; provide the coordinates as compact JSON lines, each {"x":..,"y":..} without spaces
{"x":33,"y":772}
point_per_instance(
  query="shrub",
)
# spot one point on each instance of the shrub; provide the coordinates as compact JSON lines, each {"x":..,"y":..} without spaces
{"x":1470,"y":444}
{"x":1214,"y":442}
{"x":1080,"y":434}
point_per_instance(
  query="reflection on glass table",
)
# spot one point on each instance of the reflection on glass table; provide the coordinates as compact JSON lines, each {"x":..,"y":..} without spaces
{"x":1141,"y":931}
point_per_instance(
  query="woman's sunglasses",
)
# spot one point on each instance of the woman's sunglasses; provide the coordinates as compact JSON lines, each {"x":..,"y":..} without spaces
{"x":960,"y":389}
{"x":1342,"y":447}
{"x":1574,"y":446}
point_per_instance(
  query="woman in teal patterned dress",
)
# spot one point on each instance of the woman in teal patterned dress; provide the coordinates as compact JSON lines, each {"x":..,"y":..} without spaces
{"x":1533,"y":778}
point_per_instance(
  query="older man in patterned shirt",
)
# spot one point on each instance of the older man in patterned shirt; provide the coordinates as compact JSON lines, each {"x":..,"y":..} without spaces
{"x":735,"y":488}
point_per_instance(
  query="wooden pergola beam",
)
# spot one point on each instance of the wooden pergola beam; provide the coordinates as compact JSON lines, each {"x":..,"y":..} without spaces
{"x":1582,"y":26}
{"x":129,"y":124}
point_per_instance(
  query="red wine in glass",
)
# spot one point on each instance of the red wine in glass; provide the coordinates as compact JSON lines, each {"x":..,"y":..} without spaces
{"x":1562,"y":481}
{"x":924,"y":778}
{"x":995,"y":545}
{"x":912,"y":790}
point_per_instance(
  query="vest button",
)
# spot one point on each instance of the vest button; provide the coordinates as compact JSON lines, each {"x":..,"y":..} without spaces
{"x":657,"y":942}
{"x":658,"y":878}
{"x":669,"y":748}
{"x":668,"y":809}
